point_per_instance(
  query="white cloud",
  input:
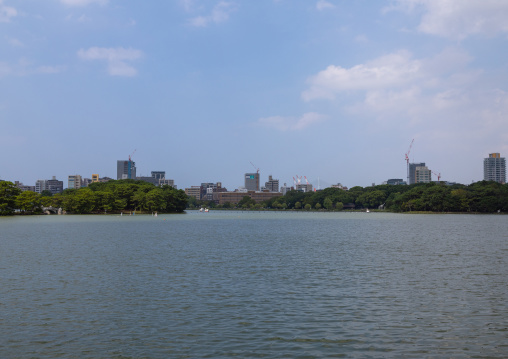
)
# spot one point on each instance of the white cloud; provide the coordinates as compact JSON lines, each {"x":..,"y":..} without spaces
{"x":442,"y":98}
{"x":458,"y":19}
{"x":387,"y":71}
{"x":291,"y":123}
{"x":323,"y":5}
{"x":117,"y":59}
{"x":83,"y":2}
{"x":7,"y":12}
{"x":219,"y":13}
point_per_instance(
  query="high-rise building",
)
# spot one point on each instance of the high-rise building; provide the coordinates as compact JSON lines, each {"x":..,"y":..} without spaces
{"x":95,"y":177}
{"x":252,"y":181}
{"x":125,"y":169}
{"x":53,"y":185}
{"x":159,"y":174}
{"x":412,"y":171}
{"x":272,"y":185}
{"x":74,"y":181}
{"x":422,"y":174}
{"x":494,"y":168}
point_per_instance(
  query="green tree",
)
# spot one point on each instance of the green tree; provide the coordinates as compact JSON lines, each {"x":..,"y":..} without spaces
{"x":328,"y":204}
{"x":246,"y":202}
{"x":308,"y":206}
{"x":29,"y":202}
{"x":8,"y":193}
{"x":339,"y":206}
{"x":371,"y":199}
{"x":298,"y":205}
{"x":318,"y":206}
{"x":46,"y":193}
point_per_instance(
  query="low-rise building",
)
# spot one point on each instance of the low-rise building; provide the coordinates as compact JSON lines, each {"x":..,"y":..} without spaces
{"x":235,"y":197}
{"x":24,"y":188}
{"x":194,"y":191}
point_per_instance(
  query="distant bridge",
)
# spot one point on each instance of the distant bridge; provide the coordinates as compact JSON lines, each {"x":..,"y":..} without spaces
{"x":51,"y":210}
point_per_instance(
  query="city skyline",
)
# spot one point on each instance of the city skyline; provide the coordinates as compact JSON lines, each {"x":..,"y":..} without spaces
{"x":333,"y":90}
{"x":256,"y":177}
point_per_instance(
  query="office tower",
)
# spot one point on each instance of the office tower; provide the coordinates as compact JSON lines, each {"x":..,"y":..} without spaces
{"x":272,"y":185}
{"x":252,"y":181}
{"x":159,"y":174}
{"x":74,"y":181}
{"x":125,"y":169}
{"x":412,"y":171}
{"x":494,"y":168}
{"x":422,"y":174}
{"x":53,"y":185}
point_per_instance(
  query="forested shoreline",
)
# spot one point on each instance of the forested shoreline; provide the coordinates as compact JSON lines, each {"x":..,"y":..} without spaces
{"x":130,"y":195}
{"x":479,"y":197}
{"x":100,"y":197}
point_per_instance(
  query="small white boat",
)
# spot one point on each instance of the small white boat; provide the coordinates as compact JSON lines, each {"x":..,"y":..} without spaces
{"x":368,"y":210}
{"x":206,"y":209}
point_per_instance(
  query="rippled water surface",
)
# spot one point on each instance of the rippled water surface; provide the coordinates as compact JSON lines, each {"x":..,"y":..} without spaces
{"x":254,"y":284}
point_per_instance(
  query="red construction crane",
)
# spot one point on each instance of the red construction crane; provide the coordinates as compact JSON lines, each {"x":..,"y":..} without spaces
{"x":438,"y":175}
{"x":132,"y":154}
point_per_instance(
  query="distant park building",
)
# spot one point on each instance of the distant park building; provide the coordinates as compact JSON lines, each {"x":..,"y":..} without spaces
{"x":422,"y":174}
{"x":494,"y":168}
{"x":272,"y":185}
{"x":252,"y":181}
{"x":125,"y":169}
{"x":412,"y":171}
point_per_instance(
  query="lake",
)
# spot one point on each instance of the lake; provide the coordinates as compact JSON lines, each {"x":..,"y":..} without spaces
{"x":254,"y":285}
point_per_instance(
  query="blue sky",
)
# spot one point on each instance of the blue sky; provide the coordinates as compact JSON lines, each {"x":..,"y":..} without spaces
{"x":334,"y":90}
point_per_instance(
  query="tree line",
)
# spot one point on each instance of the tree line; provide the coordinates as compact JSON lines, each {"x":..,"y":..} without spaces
{"x":131,"y":195}
{"x":479,"y":197}
{"x":110,"y":197}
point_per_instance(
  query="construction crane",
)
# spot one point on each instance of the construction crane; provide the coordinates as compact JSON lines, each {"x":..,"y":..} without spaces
{"x":438,"y":175}
{"x":257,"y":169}
{"x":407,"y":159}
{"x":132,"y":154}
